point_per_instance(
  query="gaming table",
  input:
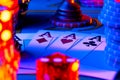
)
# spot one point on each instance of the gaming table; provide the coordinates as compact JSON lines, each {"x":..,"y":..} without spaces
{"x":93,"y":66}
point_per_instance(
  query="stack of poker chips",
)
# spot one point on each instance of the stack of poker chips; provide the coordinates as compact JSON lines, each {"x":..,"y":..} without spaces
{"x":69,"y":15}
{"x":92,"y":3}
{"x":110,"y":17}
{"x":9,"y":56}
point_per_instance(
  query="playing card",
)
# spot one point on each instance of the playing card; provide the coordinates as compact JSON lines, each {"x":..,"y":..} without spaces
{"x":23,"y":39}
{"x":85,"y":46}
{"x":42,"y":40}
{"x":103,"y":39}
{"x":97,"y":58}
{"x":65,"y":42}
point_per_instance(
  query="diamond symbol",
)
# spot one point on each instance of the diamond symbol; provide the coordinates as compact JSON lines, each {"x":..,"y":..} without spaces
{"x":41,"y":40}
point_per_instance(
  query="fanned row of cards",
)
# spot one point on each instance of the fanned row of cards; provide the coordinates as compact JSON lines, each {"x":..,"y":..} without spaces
{"x":74,"y":44}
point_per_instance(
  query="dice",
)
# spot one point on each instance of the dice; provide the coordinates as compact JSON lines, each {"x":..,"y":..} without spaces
{"x":57,"y":67}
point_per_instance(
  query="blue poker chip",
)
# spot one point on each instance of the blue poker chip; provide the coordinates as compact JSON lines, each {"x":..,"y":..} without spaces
{"x":113,"y":61}
{"x":109,"y":29}
{"x":92,"y":5}
{"x":110,"y":16}
{"x":112,"y":3}
{"x":112,"y":31}
{"x":111,"y":41}
{"x":113,"y":52}
{"x":77,"y":24}
{"x":111,"y":13}
{"x":107,"y":22}
{"x":113,"y":46}
{"x":113,"y":37}
{"x":111,"y":8}
{"x":111,"y":58}
{"x":88,"y":3}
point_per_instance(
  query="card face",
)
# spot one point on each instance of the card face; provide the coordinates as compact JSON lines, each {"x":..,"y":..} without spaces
{"x":24,"y":39}
{"x":101,"y":36}
{"x":41,"y":41}
{"x":85,"y":46}
{"x":65,"y":42}
{"x":97,"y":58}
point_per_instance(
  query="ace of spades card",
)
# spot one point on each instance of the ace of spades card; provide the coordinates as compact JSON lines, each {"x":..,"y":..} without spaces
{"x":42,"y":40}
{"x":85,"y":46}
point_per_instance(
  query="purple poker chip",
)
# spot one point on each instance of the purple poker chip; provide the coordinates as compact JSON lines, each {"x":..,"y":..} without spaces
{"x":85,"y":21}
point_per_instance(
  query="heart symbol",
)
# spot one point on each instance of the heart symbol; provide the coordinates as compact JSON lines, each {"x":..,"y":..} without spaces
{"x":64,"y":41}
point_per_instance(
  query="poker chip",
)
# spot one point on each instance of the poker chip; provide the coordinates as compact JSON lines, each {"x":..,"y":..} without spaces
{"x":111,"y":24}
{"x":111,"y":41}
{"x":111,"y":8}
{"x":111,"y":12}
{"x":111,"y":53}
{"x":77,"y":24}
{"x":113,"y":3}
{"x":92,"y":3}
{"x":69,"y":16}
{"x":113,"y":46}
{"x":112,"y":31}
{"x":109,"y":16}
{"x":112,"y":60}
{"x":114,"y":52}
{"x":113,"y":37}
